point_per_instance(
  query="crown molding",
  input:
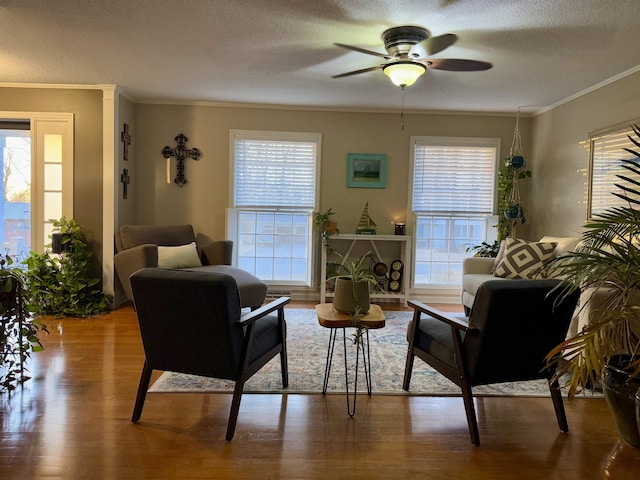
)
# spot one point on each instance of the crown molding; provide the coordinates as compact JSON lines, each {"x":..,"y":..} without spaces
{"x":586,"y":91}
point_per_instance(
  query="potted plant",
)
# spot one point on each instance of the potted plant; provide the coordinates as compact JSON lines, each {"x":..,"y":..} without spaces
{"x":607,"y":264}
{"x":18,"y":330}
{"x":327,"y":227}
{"x":353,"y":280}
{"x":67,"y":284}
{"x":485,"y":249}
{"x":510,"y":214}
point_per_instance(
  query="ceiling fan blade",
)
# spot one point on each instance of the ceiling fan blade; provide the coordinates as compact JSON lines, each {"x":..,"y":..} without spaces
{"x":356,"y":72}
{"x":434,"y":45}
{"x":456,"y":64}
{"x":363,"y":50}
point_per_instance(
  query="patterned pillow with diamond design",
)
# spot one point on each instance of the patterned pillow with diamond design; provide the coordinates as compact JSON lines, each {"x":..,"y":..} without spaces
{"x":523,"y":259}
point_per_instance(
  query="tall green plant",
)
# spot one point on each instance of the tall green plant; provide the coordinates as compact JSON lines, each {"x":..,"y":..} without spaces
{"x":608,"y":260}
{"x":67,"y":284}
{"x":18,"y":331}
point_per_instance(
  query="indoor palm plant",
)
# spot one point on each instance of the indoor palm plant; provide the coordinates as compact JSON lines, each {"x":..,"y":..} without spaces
{"x":607,"y":263}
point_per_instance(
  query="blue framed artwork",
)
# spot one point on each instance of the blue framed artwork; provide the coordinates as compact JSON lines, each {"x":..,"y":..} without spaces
{"x":366,"y":170}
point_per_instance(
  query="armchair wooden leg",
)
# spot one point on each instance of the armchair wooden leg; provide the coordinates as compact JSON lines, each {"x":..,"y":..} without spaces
{"x":235,"y":408}
{"x":145,"y":378}
{"x":558,"y":405}
{"x":283,"y":354}
{"x":472,"y":422}
{"x":284,"y":367}
{"x":408,"y":369}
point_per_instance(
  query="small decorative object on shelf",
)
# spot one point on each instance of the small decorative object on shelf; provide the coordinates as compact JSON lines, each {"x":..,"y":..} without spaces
{"x":380,"y":270}
{"x":366,"y":226}
{"x":395,"y":277}
{"x":399,"y":228}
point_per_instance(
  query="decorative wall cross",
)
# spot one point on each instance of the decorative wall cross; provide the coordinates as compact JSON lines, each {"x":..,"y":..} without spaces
{"x":126,"y":138}
{"x":181,"y":153}
{"x":126,"y":180}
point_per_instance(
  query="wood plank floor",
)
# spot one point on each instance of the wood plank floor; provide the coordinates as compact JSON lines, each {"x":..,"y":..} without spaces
{"x":72,"y":421}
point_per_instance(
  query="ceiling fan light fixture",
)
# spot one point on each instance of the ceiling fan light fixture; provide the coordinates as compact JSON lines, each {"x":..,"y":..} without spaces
{"x":404,"y":74}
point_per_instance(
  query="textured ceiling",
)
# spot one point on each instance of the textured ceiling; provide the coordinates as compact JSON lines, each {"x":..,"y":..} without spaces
{"x":281,"y":51}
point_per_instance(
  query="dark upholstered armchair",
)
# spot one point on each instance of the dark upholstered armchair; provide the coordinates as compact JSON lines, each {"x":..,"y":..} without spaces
{"x":191,"y":322}
{"x":137,"y":247}
{"x":513,"y":325}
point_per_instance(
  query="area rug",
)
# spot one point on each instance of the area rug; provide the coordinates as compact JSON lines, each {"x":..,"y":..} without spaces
{"x":307,"y":350}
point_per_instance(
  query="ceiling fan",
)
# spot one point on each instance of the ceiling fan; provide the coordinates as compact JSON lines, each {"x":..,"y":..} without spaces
{"x":405,"y":46}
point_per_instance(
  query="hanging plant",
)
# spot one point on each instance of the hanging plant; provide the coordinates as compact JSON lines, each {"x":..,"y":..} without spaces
{"x":512,"y":212}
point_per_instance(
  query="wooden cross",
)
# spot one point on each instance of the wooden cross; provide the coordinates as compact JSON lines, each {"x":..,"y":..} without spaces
{"x":181,"y":153}
{"x":126,"y":138}
{"x":126,"y":180}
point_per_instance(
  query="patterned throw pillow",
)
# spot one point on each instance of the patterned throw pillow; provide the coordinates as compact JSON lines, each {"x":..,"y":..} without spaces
{"x":523,"y":259}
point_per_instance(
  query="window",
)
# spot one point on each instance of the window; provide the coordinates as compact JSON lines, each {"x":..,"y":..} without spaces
{"x":37,"y":172}
{"x":607,"y":149}
{"x":273,"y":195}
{"x":453,"y":198}
{"x":15,"y":201}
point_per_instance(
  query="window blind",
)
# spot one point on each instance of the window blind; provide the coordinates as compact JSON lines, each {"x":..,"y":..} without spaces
{"x":274,"y":173}
{"x":453,"y":179}
{"x":606,"y":152}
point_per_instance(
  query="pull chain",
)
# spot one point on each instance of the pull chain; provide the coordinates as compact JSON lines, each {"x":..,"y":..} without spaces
{"x":402,"y":112}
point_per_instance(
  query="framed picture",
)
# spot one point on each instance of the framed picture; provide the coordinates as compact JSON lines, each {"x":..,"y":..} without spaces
{"x":366,"y":170}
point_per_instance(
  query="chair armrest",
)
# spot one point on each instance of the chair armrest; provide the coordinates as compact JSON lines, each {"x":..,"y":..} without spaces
{"x":478,"y":265}
{"x":263,"y":311}
{"x":218,"y":252}
{"x":439,"y":315}
{"x":128,"y":262}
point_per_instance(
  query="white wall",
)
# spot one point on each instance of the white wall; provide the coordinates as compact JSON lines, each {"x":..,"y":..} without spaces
{"x":557,"y":201}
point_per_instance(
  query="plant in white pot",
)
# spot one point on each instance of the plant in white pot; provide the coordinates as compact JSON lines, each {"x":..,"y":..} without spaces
{"x":606,"y":267}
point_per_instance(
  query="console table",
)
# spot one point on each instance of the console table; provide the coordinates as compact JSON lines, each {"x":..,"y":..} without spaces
{"x":386,"y":249}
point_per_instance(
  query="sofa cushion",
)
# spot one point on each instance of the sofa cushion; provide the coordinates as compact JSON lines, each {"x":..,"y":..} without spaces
{"x":499,"y":256}
{"x":563,"y":244}
{"x":183,"y":256}
{"x":167,"y":235}
{"x":523,"y":259}
{"x":252,"y":290}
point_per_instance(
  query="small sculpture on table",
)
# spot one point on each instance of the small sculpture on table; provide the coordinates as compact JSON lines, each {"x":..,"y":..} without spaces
{"x":366,"y":226}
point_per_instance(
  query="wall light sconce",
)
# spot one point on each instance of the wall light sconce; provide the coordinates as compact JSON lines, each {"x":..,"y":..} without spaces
{"x":181,"y":153}
{"x":404,"y":73}
{"x":59,"y":243}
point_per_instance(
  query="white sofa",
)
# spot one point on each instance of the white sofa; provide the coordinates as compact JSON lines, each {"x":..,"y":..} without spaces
{"x":477,"y":270}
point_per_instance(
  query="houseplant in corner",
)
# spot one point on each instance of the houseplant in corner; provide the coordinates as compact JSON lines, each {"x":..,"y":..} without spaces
{"x":68,"y":284}
{"x":606,"y":268}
